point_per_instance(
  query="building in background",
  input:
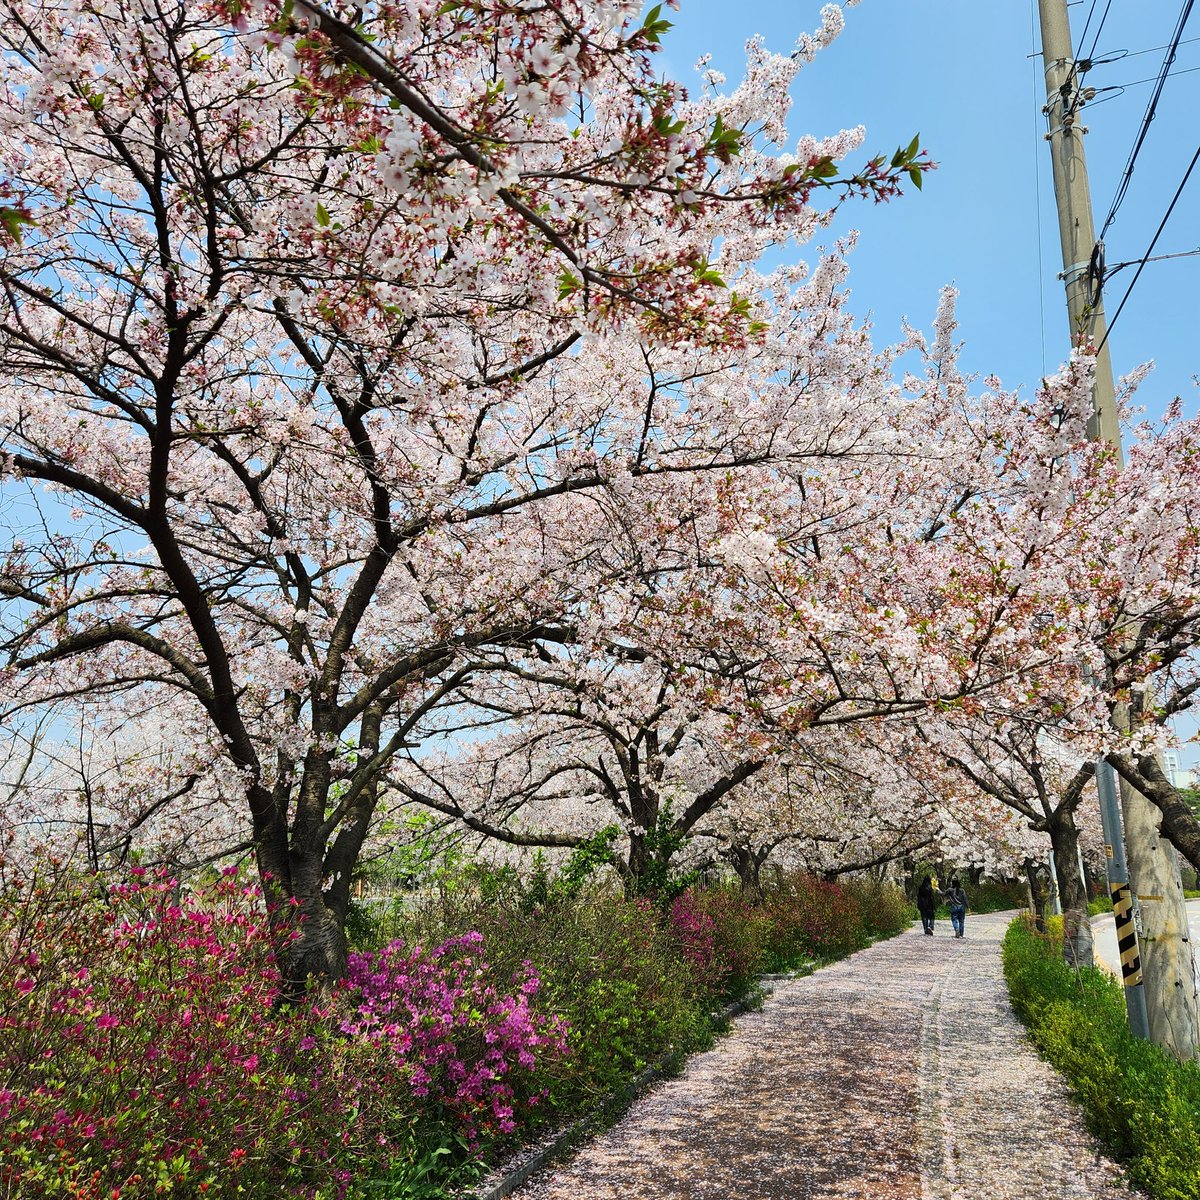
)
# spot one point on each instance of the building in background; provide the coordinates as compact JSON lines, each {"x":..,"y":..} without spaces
{"x":1175,"y":772}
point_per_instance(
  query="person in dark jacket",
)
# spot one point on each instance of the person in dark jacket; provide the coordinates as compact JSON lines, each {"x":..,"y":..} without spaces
{"x":926,"y":904}
{"x":957,"y":899}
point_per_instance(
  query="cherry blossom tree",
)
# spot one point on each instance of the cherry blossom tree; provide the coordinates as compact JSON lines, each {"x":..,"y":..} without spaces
{"x":332,"y":336}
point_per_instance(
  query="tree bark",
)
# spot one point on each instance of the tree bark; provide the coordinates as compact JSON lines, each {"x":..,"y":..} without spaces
{"x":1037,"y":893}
{"x":1077,"y":929}
{"x":1179,"y":824}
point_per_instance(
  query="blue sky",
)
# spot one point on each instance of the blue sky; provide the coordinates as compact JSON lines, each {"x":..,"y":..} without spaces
{"x":966,"y":75}
{"x":959,"y":72}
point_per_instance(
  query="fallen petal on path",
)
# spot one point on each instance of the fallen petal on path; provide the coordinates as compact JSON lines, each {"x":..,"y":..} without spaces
{"x":899,"y":1073}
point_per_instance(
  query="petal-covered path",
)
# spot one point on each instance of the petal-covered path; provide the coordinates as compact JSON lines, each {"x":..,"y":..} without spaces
{"x":898,"y":1073}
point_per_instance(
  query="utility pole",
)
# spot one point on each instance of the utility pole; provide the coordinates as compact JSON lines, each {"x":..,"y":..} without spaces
{"x":1122,"y":898}
{"x":1166,"y":951}
{"x":1076,"y":232}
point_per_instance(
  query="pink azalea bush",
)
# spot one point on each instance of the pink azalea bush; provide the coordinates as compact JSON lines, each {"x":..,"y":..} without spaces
{"x":461,"y":1044}
{"x":144,"y":1051}
{"x":694,"y":933}
{"x":721,"y":936}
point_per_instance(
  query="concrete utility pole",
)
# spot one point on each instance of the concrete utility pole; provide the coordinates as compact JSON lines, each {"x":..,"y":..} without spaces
{"x":1118,"y":887}
{"x":1166,"y":956}
{"x":1076,"y":233}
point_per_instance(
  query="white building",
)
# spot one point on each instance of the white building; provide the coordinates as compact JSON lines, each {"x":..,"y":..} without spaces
{"x":1175,"y":772}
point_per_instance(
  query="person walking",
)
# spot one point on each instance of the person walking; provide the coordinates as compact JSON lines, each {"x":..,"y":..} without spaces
{"x":957,"y":899}
{"x":926,"y":904}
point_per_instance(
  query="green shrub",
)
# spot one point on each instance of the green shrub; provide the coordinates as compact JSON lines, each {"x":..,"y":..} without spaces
{"x":741,"y":936}
{"x":885,"y":909}
{"x":1142,"y":1103}
{"x":811,"y":919}
{"x":609,"y":967}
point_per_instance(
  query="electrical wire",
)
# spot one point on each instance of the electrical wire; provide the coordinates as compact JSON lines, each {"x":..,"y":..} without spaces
{"x":1082,"y":65}
{"x":1152,"y":49}
{"x":1147,"y":117}
{"x":1088,"y":23}
{"x":1091,"y":54}
{"x":1120,"y":88}
{"x":1111,"y":271}
{"x":1150,"y":249}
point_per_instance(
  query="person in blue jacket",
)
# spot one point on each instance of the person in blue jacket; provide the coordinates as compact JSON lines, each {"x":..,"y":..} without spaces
{"x":956,"y":898}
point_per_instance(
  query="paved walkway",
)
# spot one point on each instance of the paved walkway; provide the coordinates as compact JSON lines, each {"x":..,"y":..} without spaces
{"x":898,"y":1073}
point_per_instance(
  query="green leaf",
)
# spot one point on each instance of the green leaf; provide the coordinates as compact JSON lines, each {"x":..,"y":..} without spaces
{"x":13,"y":220}
{"x":322,"y":215}
{"x":913,"y":147}
{"x":568,"y":284}
{"x":724,"y":143}
{"x":653,"y":27}
{"x":917,"y":176}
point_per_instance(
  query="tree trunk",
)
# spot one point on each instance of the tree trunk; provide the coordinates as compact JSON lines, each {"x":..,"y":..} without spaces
{"x":316,"y":954}
{"x":748,"y":866}
{"x":1179,"y":824}
{"x":636,"y":868}
{"x":1077,"y":928}
{"x":1037,"y":893}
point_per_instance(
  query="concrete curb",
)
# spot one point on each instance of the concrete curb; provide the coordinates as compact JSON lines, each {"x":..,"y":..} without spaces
{"x":621,"y":1100}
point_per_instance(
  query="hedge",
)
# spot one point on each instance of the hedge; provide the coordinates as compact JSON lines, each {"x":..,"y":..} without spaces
{"x":1142,"y":1103}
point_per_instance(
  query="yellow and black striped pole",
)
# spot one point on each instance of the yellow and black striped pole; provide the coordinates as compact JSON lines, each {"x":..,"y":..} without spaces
{"x":1127,"y":943}
{"x":1122,"y":900}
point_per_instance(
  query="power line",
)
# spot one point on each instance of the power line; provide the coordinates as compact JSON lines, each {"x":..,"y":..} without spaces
{"x":1091,"y":54}
{"x":1120,"y":88}
{"x":1087,"y":24}
{"x":1150,"y":249}
{"x":1081,"y":66}
{"x":1110,"y":271}
{"x":1152,"y":49}
{"x":1147,"y":117}
{"x":1151,"y":78}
